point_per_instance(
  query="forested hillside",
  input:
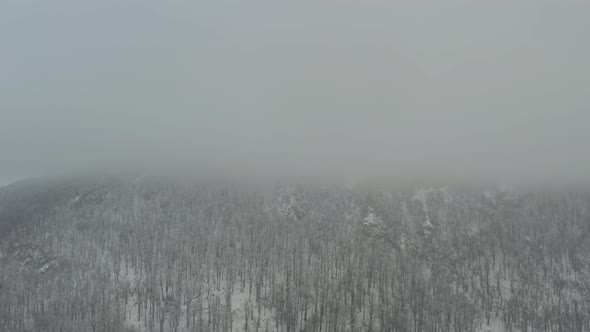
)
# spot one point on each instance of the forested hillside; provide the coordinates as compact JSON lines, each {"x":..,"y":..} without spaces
{"x":154,"y":255}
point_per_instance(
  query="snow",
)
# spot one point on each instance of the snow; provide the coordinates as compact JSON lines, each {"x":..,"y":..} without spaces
{"x":372,"y":219}
{"x":495,"y":325}
{"x":44,"y":268}
{"x":238,"y":303}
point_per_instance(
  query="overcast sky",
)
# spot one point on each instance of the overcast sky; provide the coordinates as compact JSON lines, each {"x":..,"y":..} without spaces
{"x":489,"y":89}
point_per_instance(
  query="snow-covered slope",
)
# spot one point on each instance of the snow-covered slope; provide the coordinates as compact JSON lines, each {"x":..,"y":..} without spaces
{"x":146,"y":254}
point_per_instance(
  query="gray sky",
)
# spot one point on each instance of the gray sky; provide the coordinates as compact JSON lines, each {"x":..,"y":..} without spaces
{"x":485,"y":89}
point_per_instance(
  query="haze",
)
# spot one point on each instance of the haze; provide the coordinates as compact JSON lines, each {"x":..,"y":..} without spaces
{"x":494,"y":90}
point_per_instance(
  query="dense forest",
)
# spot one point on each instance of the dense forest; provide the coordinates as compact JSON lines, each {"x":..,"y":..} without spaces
{"x":147,"y":254}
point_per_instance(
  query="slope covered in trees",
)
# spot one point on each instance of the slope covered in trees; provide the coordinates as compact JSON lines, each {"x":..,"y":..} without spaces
{"x":155,"y":255}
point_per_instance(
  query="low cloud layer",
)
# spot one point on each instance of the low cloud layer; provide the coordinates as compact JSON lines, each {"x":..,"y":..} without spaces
{"x":457,"y":89}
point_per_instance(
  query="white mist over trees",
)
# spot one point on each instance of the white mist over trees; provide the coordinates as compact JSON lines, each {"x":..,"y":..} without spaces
{"x":454,"y":89}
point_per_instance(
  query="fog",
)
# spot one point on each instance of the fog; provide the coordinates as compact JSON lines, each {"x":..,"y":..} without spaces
{"x":468,"y":90}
